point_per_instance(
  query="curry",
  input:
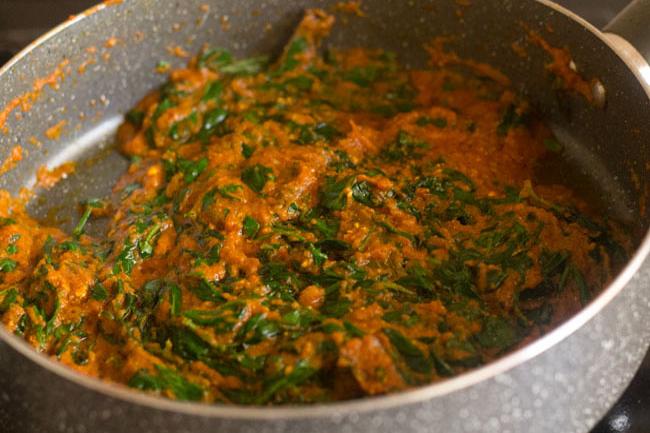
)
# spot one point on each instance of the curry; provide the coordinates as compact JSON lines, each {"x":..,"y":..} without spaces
{"x":318,"y":228}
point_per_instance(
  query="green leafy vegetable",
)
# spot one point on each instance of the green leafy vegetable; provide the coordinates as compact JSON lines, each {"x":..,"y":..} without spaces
{"x":9,"y":296}
{"x":300,"y":373}
{"x":126,"y":259}
{"x":439,"y":122}
{"x":192,"y":169}
{"x":362,"y":192}
{"x":247,"y":151}
{"x":256,"y":177}
{"x":225,"y":191}
{"x":250,"y":227}
{"x":362,"y":76}
{"x":98,"y":292}
{"x":166,"y":379}
{"x":214,"y":123}
{"x":89,"y":206}
{"x":214,"y":59}
{"x":206,"y":292}
{"x":318,"y":256}
{"x":290,"y":61}
{"x":308,"y":134}
{"x":412,"y":355}
{"x":497,"y":333}
{"x":248,"y":66}
{"x":145,"y":245}
{"x":510,"y":119}
{"x":213,"y":91}
{"x":208,"y":198}
{"x":301,"y":82}
{"x":181,"y":131}
{"x":332,"y":194}
{"x":6,"y":221}
{"x":403,"y":147}
{"x":335,"y":305}
{"x":175,"y":300}
{"x":335,"y":248}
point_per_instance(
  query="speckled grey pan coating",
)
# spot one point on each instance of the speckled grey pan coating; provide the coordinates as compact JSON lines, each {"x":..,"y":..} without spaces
{"x":562,"y":383}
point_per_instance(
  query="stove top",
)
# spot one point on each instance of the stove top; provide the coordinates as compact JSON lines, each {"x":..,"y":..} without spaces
{"x":22,"y":21}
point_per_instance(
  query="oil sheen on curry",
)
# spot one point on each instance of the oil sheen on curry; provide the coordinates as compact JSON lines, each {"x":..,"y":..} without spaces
{"x":324,"y":226}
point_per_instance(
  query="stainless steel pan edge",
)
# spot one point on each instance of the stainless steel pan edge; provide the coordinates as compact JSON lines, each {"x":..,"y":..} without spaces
{"x":562,"y":382}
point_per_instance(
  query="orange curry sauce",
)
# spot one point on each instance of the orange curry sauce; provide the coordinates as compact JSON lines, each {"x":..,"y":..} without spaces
{"x":318,"y":228}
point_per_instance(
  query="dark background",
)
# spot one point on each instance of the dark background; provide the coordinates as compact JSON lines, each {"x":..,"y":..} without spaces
{"x":21,"y":21}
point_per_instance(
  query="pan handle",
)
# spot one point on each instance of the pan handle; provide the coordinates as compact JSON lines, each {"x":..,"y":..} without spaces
{"x":633,"y":25}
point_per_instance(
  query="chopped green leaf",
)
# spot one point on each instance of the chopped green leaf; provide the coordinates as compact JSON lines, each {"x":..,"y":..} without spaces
{"x":213,"y":91}
{"x":301,"y":82}
{"x":175,"y":300}
{"x":98,"y":292}
{"x":412,"y":355}
{"x":208,"y":198}
{"x":317,"y":255}
{"x":213,"y":124}
{"x":145,"y":245}
{"x":300,"y":373}
{"x":90,"y":205}
{"x":192,"y":169}
{"x":248,"y":66}
{"x":332,"y":193}
{"x":362,"y":76}
{"x":439,"y":122}
{"x":7,"y":265}
{"x":256,"y":177}
{"x":403,"y":147}
{"x":497,"y":333}
{"x":125,"y":260}
{"x":247,"y":151}
{"x":215,"y":59}
{"x":227,"y":191}
{"x":335,"y":305}
{"x":206,"y":292}
{"x":362,"y":192}
{"x":166,"y":379}
{"x":250,"y":227}
{"x":510,"y":119}
{"x":6,"y":221}
{"x":290,"y":61}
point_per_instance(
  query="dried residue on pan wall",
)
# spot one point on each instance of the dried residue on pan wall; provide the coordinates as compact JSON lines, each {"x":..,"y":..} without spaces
{"x":27,"y":99}
{"x":14,"y":157}
{"x":563,"y":68}
{"x":47,"y":178}
{"x":24,"y":102}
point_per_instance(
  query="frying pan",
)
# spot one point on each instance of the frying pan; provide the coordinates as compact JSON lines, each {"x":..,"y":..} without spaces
{"x":562,"y":382}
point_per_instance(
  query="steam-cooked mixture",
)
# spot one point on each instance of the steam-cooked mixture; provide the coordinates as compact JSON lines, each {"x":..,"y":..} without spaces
{"x":313,"y":229}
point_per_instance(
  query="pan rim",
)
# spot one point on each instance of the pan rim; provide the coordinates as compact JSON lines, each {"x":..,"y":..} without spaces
{"x":365,"y":404}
